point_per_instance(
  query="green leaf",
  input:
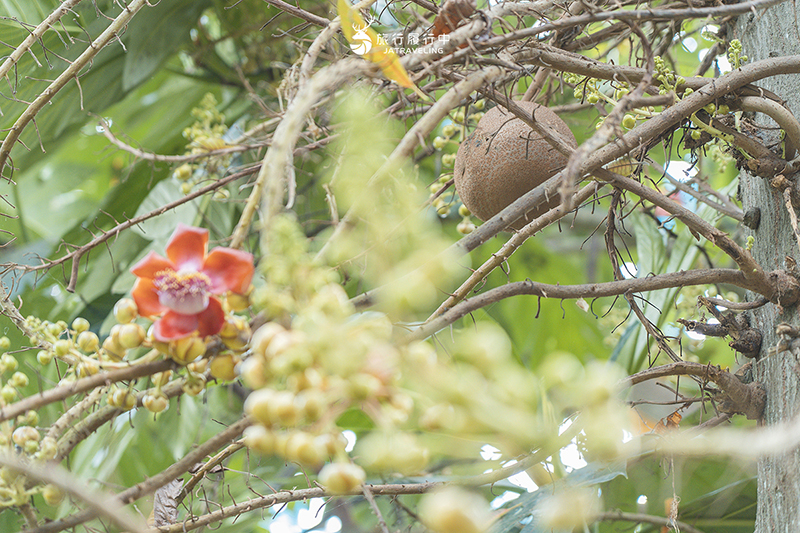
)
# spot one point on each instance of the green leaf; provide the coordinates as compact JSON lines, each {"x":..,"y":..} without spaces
{"x":154,"y":35}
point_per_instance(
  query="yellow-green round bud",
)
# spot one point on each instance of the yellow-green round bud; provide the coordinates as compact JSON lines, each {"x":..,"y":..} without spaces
{"x":131,"y":335}
{"x":440,"y":142}
{"x":223,"y":367}
{"x":187,"y":349}
{"x":479,"y":104}
{"x":628,"y":122}
{"x":455,"y":510}
{"x":25,"y":434}
{"x":48,"y":449}
{"x":113,"y":350}
{"x":258,"y":403}
{"x":125,"y":310}
{"x":18,"y":380}
{"x":161,"y":378}
{"x":80,"y":325}
{"x":259,"y":439}
{"x":341,"y":478}
{"x":448,"y":160}
{"x":459,"y":116}
{"x":87,"y":368}
{"x":8,"y":393}
{"x":30,"y":418}
{"x":87,"y":341}
{"x":305,"y":449}
{"x":155,"y":402}
{"x":695,"y":135}
{"x":253,"y":372}
{"x":44,"y":357}
{"x":463,"y":211}
{"x":183,"y":172}
{"x":194,"y":384}
{"x":62,"y":347}
{"x":449,"y":130}
{"x":8,"y":363}
{"x":5,"y":343}
{"x":52,"y":495}
{"x":465,"y":227}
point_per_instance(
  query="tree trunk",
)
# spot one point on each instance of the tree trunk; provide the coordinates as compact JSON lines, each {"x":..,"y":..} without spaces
{"x":771,"y":34}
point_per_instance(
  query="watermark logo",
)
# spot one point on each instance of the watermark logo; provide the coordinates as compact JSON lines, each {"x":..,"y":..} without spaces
{"x":365,"y":39}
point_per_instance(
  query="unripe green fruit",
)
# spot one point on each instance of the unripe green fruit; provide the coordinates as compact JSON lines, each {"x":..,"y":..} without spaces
{"x":80,"y":324}
{"x":341,"y":478}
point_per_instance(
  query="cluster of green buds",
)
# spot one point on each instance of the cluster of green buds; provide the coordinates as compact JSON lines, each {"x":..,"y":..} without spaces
{"x":20,"y":436}
{"x":591,"y":90}
{"x":668,"y":78}
{"x":452,"y":135}
{"x":735,"y":56}
{"x":205,"y":135}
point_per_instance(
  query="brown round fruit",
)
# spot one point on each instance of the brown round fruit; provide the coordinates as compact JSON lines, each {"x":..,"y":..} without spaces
{"x":503,"y":159}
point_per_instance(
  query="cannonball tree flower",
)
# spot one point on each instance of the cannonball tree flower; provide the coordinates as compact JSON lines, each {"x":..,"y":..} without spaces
{"x":180,"y":288}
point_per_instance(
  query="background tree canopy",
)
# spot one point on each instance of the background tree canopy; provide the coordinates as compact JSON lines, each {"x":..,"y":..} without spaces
{"x":240,"y":288}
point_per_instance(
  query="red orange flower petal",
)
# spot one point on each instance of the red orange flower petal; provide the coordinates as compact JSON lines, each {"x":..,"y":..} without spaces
{"x":146,"y":298}
{"x":211,"y":320}
{"x":150,"y":265}
{"x":229,"y":270}
{"x":187,"y":247}
{"x":173,"y":326}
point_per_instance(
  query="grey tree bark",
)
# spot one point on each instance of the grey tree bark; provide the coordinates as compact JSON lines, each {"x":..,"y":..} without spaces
{"x":771,"y":34}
